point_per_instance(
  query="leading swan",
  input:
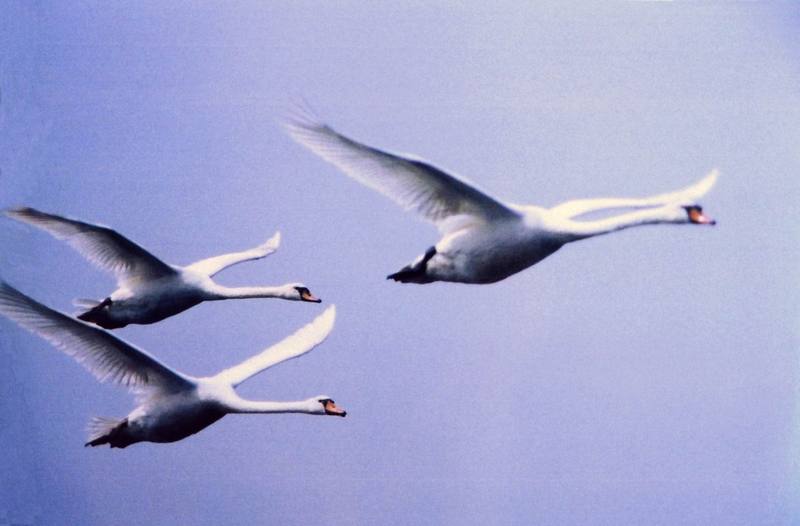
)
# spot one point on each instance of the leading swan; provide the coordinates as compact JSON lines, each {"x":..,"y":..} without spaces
{"x":172,"y":405}
{"x":149,"y":290}
{"x":483,"y":239}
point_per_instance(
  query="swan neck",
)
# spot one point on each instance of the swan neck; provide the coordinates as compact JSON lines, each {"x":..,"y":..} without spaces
{"x":252,"y":406}
{"x":584,"y":229}
{"x":221,"y":293}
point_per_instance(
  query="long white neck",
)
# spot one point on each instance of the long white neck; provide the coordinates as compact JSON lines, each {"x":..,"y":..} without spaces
{"x":583,"y":229}
{"x":219,"y":292}
{"x":250,"y":406}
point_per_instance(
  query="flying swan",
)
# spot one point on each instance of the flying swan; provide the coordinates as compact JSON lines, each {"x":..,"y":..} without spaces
{"x":172,"y":405}
{"x":483,"y":239}
{"x":149,"y":290}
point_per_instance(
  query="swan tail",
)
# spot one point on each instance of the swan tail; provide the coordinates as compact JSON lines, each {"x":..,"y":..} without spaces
{"x":102,"y":430}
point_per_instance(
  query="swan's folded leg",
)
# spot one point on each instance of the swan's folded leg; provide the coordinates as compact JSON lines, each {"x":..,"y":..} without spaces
{"x":415,"y":272}
{"x":102,"y":429}
{"x":685,"y":196}
{"x":213,"y":265}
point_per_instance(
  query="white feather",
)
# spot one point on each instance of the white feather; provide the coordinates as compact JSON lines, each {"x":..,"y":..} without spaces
{"x":213,"y":265}
{"x":102,"y":246}
{"x":483,"y":240}
{"x":172,"y":406}
{"x":412,"y":183}
{"x":298,"y":344}
{"x":104,"y":355}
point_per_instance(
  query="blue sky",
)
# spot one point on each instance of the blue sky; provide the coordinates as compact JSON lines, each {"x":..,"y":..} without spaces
{"x":648,"y":377}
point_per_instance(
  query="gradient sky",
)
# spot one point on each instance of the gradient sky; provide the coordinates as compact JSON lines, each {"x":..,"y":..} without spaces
{"x":648,"y":377}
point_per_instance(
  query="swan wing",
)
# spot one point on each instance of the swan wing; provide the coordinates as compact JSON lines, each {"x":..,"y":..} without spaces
{"x":212,"y":265}
{"x":411,"y":182}
{"x":686,"y":196}
{"x":104,"y":355}
{"x":299,"y":343}
{"x":101,"y":245}
{"x":690,"y":194}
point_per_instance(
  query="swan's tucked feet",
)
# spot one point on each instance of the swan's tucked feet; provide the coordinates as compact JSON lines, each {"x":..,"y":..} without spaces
{"x":95,"y":314}
{"x":697,"y":217}
{"x":105,"y":431}
{"x":415,"y":271}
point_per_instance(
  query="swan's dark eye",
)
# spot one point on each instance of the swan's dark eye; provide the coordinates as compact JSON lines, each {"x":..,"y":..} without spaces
{"x":302,"y":290}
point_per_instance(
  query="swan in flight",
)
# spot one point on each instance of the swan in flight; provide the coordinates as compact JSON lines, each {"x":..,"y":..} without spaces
{"x":172,"y":405}
{"x":483,"y":239}
{"x":149,"y":290}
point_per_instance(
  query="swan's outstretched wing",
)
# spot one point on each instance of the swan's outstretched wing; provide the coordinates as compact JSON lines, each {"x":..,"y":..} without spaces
{"x":101,"y":245}
{"x":685,"y":196}
{"x":107,"y":357}
{"x":212,"y":265}
{"x":412,"y":183}
{"x":293,"y":346}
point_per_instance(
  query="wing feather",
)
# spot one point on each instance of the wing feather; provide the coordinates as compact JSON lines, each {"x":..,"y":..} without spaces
{"x":412,"y":183}
{"x":298,"y":344}
{"x":212,"y":265}
{"x":107,"y":357}
{"x":102,"y":246}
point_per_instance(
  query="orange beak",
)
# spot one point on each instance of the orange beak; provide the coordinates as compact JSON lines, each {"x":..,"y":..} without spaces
{"x":332,"y":409}
{"x":697,"y":217}
{"x":307,"y":296}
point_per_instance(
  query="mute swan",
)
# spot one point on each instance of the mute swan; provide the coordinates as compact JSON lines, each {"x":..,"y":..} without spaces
{"x":172,"y":405}
{"x":483,"y":240}
{"x":150,"y":290}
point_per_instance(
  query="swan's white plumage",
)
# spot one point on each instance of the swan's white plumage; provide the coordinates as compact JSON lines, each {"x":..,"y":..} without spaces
{"x":298,"y":344}
{"x":685,"y":196}
{"x":104,"y":355}
{"x":149,"y":290}
{"x":172,"y":405}
{"x":213,"y":265}
{"x":483,"y":239}
{"x":411,"y":182}
{"x":102,"y":246}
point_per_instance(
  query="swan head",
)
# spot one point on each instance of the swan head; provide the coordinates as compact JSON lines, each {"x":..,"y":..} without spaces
{"x":299,"y":292}
{"x":324,"y":405}
{"x":696,"y":216}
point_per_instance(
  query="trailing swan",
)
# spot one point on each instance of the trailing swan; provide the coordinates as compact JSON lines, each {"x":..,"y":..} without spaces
{"x":172,"y":405}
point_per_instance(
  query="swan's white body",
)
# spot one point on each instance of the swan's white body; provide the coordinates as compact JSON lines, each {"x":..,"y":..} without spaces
{"x":483,"y":240}
{"x":172,"y":405}
{"x":150,"y":290}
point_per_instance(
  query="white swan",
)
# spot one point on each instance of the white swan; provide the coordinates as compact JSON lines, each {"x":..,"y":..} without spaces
{"x":149,"y":290}
{"x":483,"y":240}
{"x":172,"y":405}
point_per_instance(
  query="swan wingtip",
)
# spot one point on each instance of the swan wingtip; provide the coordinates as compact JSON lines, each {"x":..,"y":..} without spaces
{"x":18,"y":212}
{"x":274,"y":241}
{"x":330,"y":312}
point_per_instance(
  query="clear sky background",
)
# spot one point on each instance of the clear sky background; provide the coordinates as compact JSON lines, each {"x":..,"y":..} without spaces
{"x":647,"y":377}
